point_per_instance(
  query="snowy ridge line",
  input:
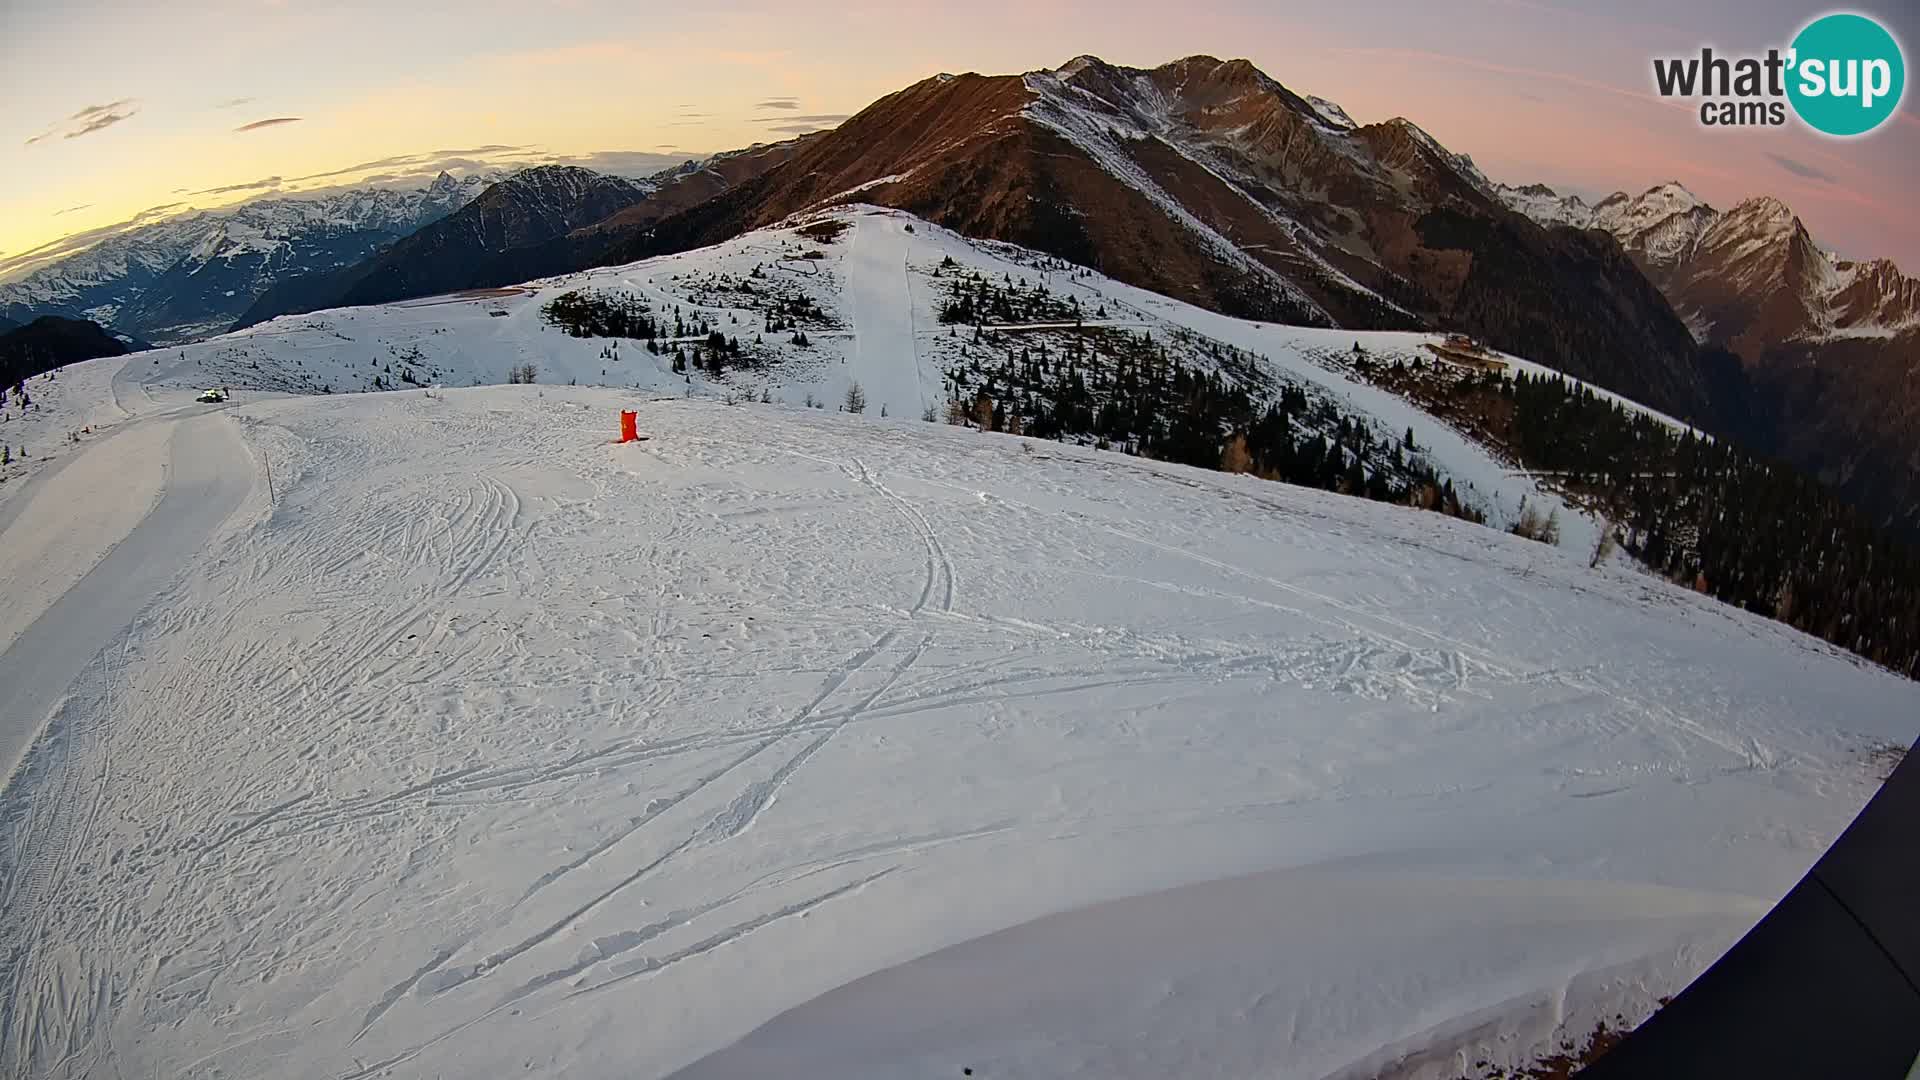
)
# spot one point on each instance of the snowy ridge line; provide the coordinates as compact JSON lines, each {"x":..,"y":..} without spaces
{"x":258,"y":228}
{"x":1335,"y":116}
{"x":1459,"y":163}
{"x":1060,"y":119}
{"x":878,"y":181}
{"x":1291,"y":227}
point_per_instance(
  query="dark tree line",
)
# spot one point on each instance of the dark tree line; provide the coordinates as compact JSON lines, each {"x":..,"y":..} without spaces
{"x":583,"y":313}
{"x":973,"y":299}
{"x":692,"y":345}
{"x":713,"y":355}
{"x":1741,"y":528}
{"x":1120,"y":390}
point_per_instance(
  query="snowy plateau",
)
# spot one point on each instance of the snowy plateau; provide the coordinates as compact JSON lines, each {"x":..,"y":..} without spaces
{"x":431,"y":732}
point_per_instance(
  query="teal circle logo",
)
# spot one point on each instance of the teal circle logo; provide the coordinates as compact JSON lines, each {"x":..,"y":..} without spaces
{"x":1847,"y":75}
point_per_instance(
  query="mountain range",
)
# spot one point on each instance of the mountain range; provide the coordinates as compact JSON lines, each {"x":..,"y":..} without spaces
{"x":191,"y":276}
{"x":1210,"y":182}
{"x":530,"y":204}
{"x":1748,"y":277}
{"x":503,"y":235}
{"x":1204,"y":180}
{"x":1823,"y":352}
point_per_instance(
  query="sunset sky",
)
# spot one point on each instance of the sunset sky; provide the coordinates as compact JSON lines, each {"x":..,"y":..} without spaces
{"x":115,"y":108}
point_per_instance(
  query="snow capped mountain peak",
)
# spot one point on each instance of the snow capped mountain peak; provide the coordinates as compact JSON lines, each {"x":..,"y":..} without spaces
{"x":1235,"y":72}
{"x":1472,"y":171}
{"x":1872,"y":298}
{"x":557,"y":176}
{"x":1673,"y":192}
{"x":1077,"y":65}
{"x":1758,"y":247}
{"x":1200,"y":102}
{"x":1547,"y":206}
{"x":1749,"y":274}
{"x":562,"y":186}
{"x":1184,"y":91}
{"x":1662,"y":224}
{"x":137,"y":282}
{"x":1624,"y":215}
{"x":1659,"y":201}
{"x":1751,"y":225}
{"x":1763,"y":212}
{"x":537,"y":172}
{"x":1670,"y":197}
{"x":1333,"y":114}
{"x":1659,"y":227}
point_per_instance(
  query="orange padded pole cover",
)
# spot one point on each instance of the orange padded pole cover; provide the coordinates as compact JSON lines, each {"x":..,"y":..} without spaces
{"x":629,"y":426}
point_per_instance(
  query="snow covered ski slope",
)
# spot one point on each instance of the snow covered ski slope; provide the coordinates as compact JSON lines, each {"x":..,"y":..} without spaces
{"x":791,"y":742}
{"x":495,"y":746}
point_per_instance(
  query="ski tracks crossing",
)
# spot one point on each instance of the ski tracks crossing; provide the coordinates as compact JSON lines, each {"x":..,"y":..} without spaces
{"x":742,"y":790}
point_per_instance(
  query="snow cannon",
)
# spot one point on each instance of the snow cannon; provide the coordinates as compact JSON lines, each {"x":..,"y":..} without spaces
{"x":629,"y":426}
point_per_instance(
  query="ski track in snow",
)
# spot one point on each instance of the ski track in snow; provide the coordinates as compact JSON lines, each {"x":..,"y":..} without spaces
{"x":488,"y":745}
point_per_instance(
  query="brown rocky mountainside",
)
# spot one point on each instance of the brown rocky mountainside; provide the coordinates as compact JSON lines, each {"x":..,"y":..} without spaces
{"x":1213,"y":183}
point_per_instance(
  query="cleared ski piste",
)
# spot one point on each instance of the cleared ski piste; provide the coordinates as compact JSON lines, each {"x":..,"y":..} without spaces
{"x":90,"y":593}
{"x":494,"y":747}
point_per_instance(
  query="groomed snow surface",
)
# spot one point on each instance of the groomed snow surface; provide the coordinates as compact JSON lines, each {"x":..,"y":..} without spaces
{"x":795,"y":743}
